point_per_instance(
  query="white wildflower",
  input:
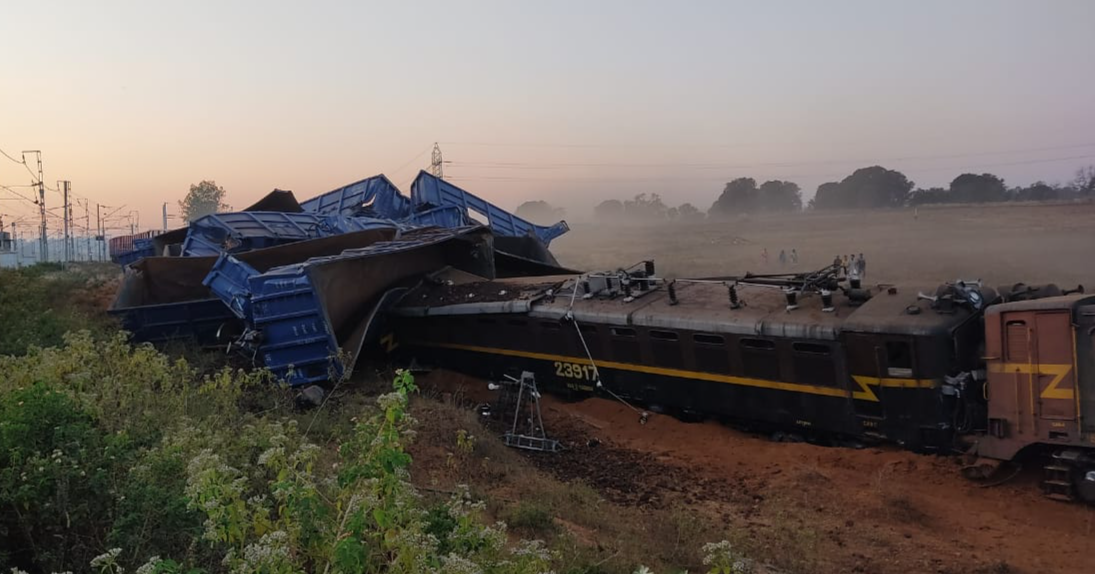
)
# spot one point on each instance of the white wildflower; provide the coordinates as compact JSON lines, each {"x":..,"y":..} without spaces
{"x":107,"y":558}
{"x":453,"y":564}
{"x":150,"y":566}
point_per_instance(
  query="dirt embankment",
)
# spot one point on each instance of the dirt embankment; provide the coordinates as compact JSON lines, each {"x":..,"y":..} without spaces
{"x":811,"y":508}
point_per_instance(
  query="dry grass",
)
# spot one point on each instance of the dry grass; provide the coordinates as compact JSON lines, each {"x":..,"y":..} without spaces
{"x":1001,"y":244}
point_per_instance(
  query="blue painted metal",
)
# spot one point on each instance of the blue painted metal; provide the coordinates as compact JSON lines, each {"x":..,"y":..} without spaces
{"x":297,"y":343}
{"x":449,"y":216}
{"x":198,"y":320}
{"x":247,"y":230}
{"x":375,"y":196}
{"x":228,"y":280}
{"x":433,"y":191}
{"x":141,"y":248}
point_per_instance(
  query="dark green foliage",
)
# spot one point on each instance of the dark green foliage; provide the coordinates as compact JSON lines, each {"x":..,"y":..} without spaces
{"x":743,"y":196}
{"x":152,"y":514}
{"x":203,"y":199}
{"x":57,"y":476}
{"x":36,"y":303}
{"x":867,"y":187}
{"x":973,"y":188}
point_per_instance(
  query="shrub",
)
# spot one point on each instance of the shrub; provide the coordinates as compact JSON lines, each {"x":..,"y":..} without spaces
{"x":58,"y":474}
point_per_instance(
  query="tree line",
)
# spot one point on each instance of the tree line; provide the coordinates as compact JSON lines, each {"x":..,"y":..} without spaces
{"x":866,"y":188}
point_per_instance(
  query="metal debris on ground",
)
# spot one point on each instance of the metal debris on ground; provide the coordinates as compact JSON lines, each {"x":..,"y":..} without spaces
{"x":520,"y":397}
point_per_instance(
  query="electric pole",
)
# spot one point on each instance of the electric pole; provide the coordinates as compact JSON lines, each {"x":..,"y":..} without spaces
{"x":99,"y":229}
{"x":44,"y":241}
{"x":87,"y":227}
{"x":16,"y":247}
{"x":165,"y":217}
{"x":67,"y":216}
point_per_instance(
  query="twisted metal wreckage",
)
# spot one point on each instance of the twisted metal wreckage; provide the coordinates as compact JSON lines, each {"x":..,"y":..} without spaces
{"x":304,"y":285}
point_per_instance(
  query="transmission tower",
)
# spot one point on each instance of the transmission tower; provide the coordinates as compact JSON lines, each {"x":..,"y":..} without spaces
{"x":436,"y":162}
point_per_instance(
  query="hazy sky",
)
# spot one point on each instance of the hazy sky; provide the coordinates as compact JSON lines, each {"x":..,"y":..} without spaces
{"x":571,"y":102}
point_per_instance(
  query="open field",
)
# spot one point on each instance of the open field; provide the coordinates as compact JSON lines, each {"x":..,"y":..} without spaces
{"x":998,"y":243}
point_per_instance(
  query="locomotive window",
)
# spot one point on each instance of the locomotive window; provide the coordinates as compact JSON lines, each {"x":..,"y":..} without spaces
{"x":487,"y":321}
{"x":587,"y":328}
{"x":811,"y":348}
{"x":898,"y":355}
{"x":758,"y":344}
{"x":705,"y":339}
{"x":550,"y":326}
{"x":622,"y":332}
{"x":663,"y":335}
{"x":518,"y":323}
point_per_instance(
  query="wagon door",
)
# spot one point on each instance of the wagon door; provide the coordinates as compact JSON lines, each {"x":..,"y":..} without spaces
{"x":1055,"y":380}
{"x":1011,"y":392}
{"x":1032,"y":383}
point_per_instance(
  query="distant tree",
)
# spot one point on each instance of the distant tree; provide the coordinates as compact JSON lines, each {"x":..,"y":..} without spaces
{"x":1039,"y":191}
{"x":609,"y":210}
{"x":689,"y":213}
{"x":867,"y":187}
{"x":1084,"y":182}
{"x":973,"y":188}
{"x":927,"y":196}
{"x":876,"y":186}
{"x":203,"y":199}
{"x":778,"y":195}
{"x":739,"y":196}
{"x":647,"y":208}
{"x":672,"y":214}
{"x":540,"y":212}
{"x":828,"y":196}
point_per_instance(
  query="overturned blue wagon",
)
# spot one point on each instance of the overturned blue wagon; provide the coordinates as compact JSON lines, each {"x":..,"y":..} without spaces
{"x":301,"y":286}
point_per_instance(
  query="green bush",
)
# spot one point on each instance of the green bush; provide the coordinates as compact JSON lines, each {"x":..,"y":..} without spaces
{"x":58,"y":474}
{"x":530,"y":517}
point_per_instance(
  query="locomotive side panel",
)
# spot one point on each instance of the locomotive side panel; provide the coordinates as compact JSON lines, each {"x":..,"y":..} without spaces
{"x":1035,"y":384}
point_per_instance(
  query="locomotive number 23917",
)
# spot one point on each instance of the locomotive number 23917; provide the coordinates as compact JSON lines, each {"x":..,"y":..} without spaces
{"x":575,"y":371}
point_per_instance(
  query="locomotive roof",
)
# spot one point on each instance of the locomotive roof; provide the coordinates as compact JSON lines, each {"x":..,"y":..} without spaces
{"x":702,"y":306}
{"x":1063,"y":302}
{"x":904,"y":313}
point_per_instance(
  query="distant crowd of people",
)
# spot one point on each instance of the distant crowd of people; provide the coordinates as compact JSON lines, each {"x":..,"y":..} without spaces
{"x":784,"y":257}
{"x":852,"y":266}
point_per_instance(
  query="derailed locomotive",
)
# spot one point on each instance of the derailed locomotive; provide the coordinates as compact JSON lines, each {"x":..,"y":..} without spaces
{"x":956,"y":368}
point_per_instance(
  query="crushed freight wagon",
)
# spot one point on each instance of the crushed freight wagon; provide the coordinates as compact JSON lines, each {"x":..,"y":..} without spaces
{"x":278,"y":219}
{"x":300,"y":286}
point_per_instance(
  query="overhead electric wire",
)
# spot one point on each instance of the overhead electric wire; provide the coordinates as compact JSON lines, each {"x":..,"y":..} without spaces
{"x":5,"y":154}
{"x":25,"y":198}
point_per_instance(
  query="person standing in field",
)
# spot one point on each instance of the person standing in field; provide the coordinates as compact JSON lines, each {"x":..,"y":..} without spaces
{"x":862,"y":266}
{"x":794,"y":257}
{"x":764,"y":255}
{"x":782,"y":257}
